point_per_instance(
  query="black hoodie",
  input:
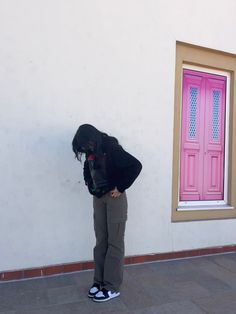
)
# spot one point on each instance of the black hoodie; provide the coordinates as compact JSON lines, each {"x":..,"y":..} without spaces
{"x":121,"y":168}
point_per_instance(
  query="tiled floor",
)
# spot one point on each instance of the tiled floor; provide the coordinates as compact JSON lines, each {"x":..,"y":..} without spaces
{"x":190,"y":286}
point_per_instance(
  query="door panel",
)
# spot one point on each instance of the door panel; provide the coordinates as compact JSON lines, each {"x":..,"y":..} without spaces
{"x":191,"y":161}
{"x":213,"y":176}
{"x":202,"y":136}
{"x":214,"y":139}
{"x":190,"y":180}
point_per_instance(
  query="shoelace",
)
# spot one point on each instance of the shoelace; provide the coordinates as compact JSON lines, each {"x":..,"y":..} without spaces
{"x":105,"y":292}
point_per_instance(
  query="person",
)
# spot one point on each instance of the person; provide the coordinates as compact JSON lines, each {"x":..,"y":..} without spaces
{"x":108,"y":172}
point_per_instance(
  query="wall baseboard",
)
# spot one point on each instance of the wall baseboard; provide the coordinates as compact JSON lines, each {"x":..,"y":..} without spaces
{"x":86,"y":265}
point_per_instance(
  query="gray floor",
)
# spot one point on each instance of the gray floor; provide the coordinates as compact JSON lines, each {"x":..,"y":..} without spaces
{"x":191,"y":286}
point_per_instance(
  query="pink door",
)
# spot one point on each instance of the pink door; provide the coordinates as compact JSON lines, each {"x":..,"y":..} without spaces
{"x":202,"y":136}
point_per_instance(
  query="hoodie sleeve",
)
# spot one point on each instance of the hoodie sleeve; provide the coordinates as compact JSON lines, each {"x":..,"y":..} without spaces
{"x":128,"y":167}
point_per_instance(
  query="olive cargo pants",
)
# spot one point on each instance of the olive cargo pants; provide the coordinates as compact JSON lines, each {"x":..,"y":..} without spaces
{"x":110,"y":215}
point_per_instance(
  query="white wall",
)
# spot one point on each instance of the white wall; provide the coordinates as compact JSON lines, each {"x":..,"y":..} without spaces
{"x":112,"y":64}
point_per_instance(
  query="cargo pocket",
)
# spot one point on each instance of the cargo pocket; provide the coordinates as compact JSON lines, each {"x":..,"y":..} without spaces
{"x":117,"y":208}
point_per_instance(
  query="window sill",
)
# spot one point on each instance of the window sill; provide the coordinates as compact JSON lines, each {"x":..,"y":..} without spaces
{"x":203,"y":212}
{"x":205,"y":207}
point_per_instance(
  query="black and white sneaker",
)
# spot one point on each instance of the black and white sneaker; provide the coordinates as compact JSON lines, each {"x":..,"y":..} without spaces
{"x":105,"y":295}
{"x":93,"y":290}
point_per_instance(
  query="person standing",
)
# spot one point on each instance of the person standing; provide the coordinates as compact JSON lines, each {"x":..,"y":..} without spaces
{"x":108,"y":172}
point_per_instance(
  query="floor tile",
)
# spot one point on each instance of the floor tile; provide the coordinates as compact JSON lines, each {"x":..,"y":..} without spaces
{"x":220,"y":273}
{"x":185,"y":290}
{"x":225,"y":262}
{"x":184,"y":307}
{"x":66,"y":294}
{"x":25,"y":299}
{"x":220,"y":304}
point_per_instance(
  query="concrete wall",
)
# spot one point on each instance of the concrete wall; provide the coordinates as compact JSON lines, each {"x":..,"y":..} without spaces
{"x":112,"y":64}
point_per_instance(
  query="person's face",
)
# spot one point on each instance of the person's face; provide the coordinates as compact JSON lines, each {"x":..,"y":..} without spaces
{"x":88,"y":147}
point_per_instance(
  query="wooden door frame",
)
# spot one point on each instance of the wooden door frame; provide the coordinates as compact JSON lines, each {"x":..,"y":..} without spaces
{"x":215,"y":60}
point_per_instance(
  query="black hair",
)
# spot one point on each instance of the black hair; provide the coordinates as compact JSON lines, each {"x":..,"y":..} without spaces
{"x":88,"y":134}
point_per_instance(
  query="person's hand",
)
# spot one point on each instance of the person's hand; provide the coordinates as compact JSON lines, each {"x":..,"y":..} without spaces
{"x":115,"y":193}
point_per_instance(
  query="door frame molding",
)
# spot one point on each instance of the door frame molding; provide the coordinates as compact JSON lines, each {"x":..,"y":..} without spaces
{"x":182,"y":205}
{"x":210,"y":60}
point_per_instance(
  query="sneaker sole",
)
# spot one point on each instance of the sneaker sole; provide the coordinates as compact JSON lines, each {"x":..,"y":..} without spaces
{"x":108,"y":299}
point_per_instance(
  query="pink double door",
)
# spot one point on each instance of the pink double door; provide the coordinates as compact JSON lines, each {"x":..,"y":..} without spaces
{"x":202,"y":136}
